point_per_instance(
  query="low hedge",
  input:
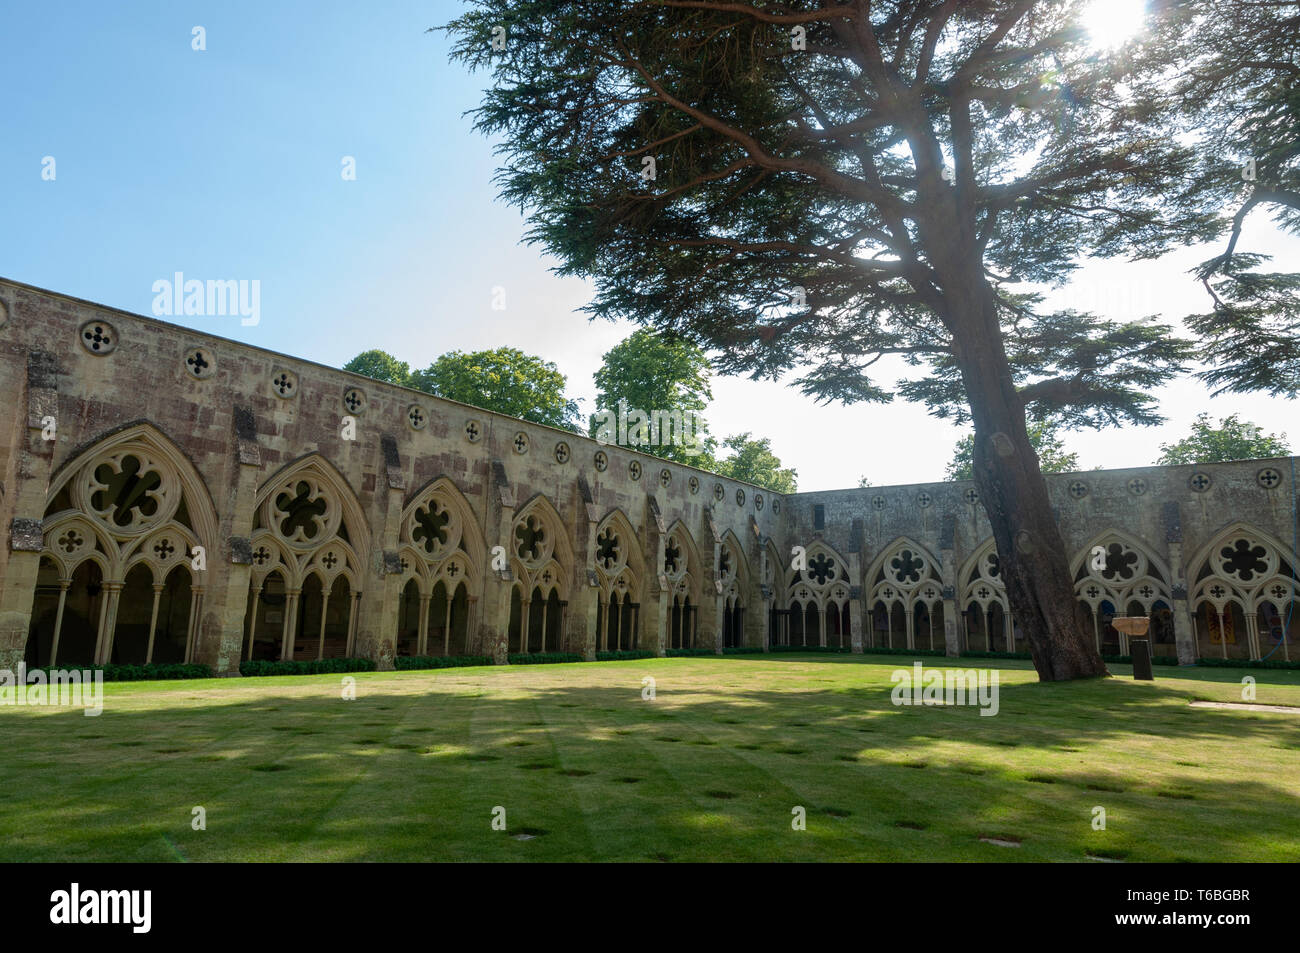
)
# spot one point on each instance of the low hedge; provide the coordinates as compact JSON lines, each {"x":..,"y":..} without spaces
{"x":419,"y":662}
{"x":1246,"y":663}
{"x":154,"y":671}
{"x":887,"y":651}
{"x":620,"y":655}
{"x":256,"y":667}
{"x":543,"y":658}
{"x":829,"y":649}
{"x":687,"y":653}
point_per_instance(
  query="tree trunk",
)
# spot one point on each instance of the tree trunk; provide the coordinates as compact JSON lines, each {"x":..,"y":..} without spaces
{"x":1031,"y":551}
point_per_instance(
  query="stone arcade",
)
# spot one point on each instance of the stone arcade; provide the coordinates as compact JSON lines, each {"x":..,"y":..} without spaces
{"x":168,"y":495}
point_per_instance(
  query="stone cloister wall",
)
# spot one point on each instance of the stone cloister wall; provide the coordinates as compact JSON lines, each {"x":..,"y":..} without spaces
{"x":137,"y":453}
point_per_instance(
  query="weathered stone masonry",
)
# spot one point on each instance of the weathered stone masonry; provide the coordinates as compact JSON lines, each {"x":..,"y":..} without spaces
{"x":169,"y":495}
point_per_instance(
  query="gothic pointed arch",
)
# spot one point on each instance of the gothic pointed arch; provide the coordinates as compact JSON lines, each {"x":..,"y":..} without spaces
{"x":733,"y":569}
{"x":310,"y":512}
{"x":1243,"y":592}
{"x":906,"y":573}
{"x":983,"y":609}
{"x":129,"y":525}
{"x":440,"y":539}
{"x":617,"y":557}
{"x":1117,"y":567}
{"x":682,"y":564}
{"x":540,"y":552}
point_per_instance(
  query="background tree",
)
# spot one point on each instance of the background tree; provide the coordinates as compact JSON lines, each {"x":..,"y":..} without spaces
{"x":1232,"y":439}
{"x":505,"y":380}
{"x":653,"y":371}
{"x":754,"y":462}
{"x":824,"y":184}
{"x":380,"y":365}
{"x":1044,"y":437}
{"x":1242,"y":92}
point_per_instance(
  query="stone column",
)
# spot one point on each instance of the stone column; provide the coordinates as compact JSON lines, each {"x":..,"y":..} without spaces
{"x":27,"y":475}
{"x":494,"y":621}
{"x":220,"y":639}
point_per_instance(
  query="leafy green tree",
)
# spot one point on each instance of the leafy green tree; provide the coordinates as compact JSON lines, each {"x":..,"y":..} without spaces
{"x":1242,"y":91}
{"x":380,"y":365}
{"x":1232,"y":439}
{"x":658,"y":374}
{"x":754,"y":462}
{"x":505,"y":380}
{"x":819,"y":184}
{"x":1044,"y":437}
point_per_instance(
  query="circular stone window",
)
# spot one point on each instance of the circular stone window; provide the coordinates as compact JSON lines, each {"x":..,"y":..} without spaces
{"x":561,"y":452}
{"x":758,"y":501}
{"x":665,"y":478}
{"x":694,"y":484}
{"x":1078,"y":489}
{"x":284,"y":383}
{"x":417,"y":417}
{"x":354,"y":401}
{"x":473,"y":430}
{"x":1137,"y":486}
{"x":601,"y":461}
{"x":98,"y":337}
{"x":1199,"y":482}
{"x":520,"y":443}
{"x":1268,"y":478}
{"x":740,"y":497}
{"x":200,"y":363}
{"x":776,"y":505}
{"x":877,"y":502}
{"x":718,"y":492}
{"x":634,"y":469}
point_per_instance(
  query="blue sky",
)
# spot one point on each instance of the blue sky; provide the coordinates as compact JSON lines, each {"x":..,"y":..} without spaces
{"x":225,"y":164}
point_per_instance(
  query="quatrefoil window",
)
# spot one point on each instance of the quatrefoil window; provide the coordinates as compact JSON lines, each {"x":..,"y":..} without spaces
{"x":128,"y":492}
{"x":70,"y":541}
{"x":821,"y":568}
{"x":607,"y":549}
{"x":907,"y":567}
{"x":430,"y":528}
{"x":1243,"y":560}
{"x":672,"y":553}
{"x":301,"y":511}
{"x":1120,"y":563}
{"x":531,"y":535}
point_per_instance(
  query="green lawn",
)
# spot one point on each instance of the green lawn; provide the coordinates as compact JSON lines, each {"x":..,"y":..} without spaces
{"x":709,"y":770}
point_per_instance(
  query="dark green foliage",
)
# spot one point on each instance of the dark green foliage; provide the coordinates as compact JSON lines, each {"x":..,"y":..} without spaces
{"x":620,"y":655}
{"x":505,"y":380}
{"x":257,"y":667}
{"x":1232,"y":439}
{"x":1240,"y":663}
{"x":381,"y":366}
{"x":419,"y":662}
{"x":543,"y":658}
{"x":792,"y":220}
{"x":140,"y":673}
{"x":1240,"y":91}
{"x":821,"y":649}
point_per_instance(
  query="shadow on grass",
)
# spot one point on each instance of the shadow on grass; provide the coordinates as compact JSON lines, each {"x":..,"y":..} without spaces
{"x":414,"y":768}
